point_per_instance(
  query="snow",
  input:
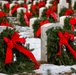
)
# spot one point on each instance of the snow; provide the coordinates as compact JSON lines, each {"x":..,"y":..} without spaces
{"x":35,"y":43}
{"x":54,"y":69}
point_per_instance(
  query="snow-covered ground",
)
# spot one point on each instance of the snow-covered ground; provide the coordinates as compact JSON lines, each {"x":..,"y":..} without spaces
{"x":35,"y":43}
{"x":55,"y":69}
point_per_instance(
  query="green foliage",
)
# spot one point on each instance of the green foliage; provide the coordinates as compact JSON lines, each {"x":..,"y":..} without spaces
{"x":50,"y":18}
{"x":22,"y":63}
{"x":21,"y":19}
{"x":62,"y":11}
{"x":74,"y":6}
{"x":35,"y":12}
{"x":66,"y":58}
{"x":43,"y":16}
{"x":36,"y":25}
{"x":67,"y":25}
{"x":5,"y":9}
{"x":15,"y":13}
{"x":3,"y":19}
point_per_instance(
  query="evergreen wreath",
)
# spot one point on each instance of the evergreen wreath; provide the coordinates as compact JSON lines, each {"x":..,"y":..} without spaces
{"x":66,"y":58}
{"x":22,"y":63}
{"x":35,"y":11}
{"x":43,"y":17}
{"x":21,"y":19}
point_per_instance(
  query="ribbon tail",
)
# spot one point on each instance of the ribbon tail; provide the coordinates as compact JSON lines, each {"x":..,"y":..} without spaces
{"x":13,"y":10}
{"x":59,"y":53}
{"x":71,"y":50}
{"x":54,"y":15}
{"x":72,"y":27}
{"x":28,"y":54}
{"x":38,"y":32}
{"x":8,"y":58}
{"x":26,"y":19}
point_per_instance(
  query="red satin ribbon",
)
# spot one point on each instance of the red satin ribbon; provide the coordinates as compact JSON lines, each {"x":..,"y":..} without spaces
{"x":25,"y":6}
{"x":26,"y":19}
{"x":41,"y":4}
{"x":68,"y":12}
{"x":73,"y":23}
{"x":64,"y":38}
{"x":38,"y":32}
{"x":12,"y":43}
{"x":27,"y":16}
{"x":5,"y":23}
{"x":14,"y":9}
{"x":2,"y":14}
{"x":53,"y":14}
{"x":7,"y":5}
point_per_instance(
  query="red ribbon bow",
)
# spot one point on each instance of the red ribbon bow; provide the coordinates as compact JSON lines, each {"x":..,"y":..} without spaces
{"x":25,"y":6}
{"x":38,"y":32}
{"x":53,"y":14}
{"x":11,"y":43}
{"x":27,"y":16}
{"x":68,"y":12}
{"x":2,"y":14}
{"x":7,"y":5}
{"x":5,"y":23}
{"x":73,"y":23}
{"x":41,"y":4}
{"x":14,"y":9}
{"x":64,"y":38}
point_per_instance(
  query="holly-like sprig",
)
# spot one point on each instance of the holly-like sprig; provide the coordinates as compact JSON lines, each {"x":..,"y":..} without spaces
{"x":22,"y":63}
{"x":66,"y":58}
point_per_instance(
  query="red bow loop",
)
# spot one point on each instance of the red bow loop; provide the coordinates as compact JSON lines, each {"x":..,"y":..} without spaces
{"x":64,"y":38}
{"x":7,"y":5}
{"x":11,"y":43}
{"x":38,"y":32}
{"x":15,"y":38}
{"x":14,"y":9}
{"x":53,"y":14}
{"x":5,"y":23}
{"x":73,"y":23}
